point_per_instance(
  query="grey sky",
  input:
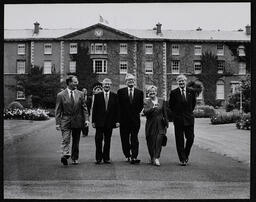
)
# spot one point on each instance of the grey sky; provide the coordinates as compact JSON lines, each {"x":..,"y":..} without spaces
{"x":177,"y":16}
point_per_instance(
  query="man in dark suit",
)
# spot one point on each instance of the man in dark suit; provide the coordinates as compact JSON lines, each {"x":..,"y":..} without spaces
{"x":71,"y":114}
{"x":182,"y":103}
{"x":105,"y":117}
{"x":131,"y":104}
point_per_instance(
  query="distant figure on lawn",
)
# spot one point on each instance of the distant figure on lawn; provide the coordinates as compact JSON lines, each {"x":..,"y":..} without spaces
{"x":88,"y":101}
{"x":71,"y":114}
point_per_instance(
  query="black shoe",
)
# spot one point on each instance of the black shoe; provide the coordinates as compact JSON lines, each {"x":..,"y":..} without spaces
{"x":183,"y":163}
{"x":135,"y":161}
{"x":128,"y":159}
{"x":64,"y":161}
{"x":98,"y":162}
{"x":107,"y":162}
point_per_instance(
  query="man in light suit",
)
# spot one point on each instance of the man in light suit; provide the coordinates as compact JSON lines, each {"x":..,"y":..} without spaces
{"x":182,"y":104}
{"x":71,"y":114}
{"x":105,"y":117}
{"x":131,"y":104}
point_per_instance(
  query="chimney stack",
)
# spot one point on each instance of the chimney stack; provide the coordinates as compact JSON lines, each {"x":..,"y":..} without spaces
{"x":248,"y":30}
{"x":158,"y":28}
{"x":36,"y":28}
{"x":199,"y":29}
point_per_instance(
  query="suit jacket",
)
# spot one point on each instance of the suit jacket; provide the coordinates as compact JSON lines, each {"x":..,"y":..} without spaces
{"x":67,"y":116}
{"x":130,"y":112}
{"x":102,"y":117}
{"x":182,"y":111}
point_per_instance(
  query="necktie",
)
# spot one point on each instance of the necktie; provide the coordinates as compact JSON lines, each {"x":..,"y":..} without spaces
{"x":130,"y":95}
{"x":72,"y":98}
{"x":106,"y":100}
{"x":183,"y":95}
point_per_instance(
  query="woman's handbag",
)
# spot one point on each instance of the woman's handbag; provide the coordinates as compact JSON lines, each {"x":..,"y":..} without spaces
{"x":164,"y":142}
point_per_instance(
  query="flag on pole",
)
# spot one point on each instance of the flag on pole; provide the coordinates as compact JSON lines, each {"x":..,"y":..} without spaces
{"x":101,"y":19}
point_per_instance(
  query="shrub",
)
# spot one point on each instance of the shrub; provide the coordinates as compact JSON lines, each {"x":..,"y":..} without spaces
{"x":15,"y":105}
{"x":244,"y":122}
{"x":204,"y":111}
{"x":225,"y":117}
{"x":26,"y":114}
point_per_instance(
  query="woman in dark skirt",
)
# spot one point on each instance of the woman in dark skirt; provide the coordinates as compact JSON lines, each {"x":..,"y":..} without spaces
{"x":156,"y":124}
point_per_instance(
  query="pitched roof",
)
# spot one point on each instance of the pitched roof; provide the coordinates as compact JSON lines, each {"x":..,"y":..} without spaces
{"x":191,"y":35}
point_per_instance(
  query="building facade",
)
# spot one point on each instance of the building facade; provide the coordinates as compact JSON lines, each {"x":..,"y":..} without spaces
{"x":154,"y":56}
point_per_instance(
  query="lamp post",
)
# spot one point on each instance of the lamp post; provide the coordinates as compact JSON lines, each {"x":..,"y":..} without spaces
{"x":241,"y":98}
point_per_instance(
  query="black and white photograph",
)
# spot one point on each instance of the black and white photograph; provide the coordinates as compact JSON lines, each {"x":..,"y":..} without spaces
{"x":127,"y":100}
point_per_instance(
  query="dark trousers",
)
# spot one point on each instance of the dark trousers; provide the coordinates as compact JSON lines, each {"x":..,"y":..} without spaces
{"x":129,"y":139}
{"x":75,"y":143}
{"x":103,"y":133}
{"x":183,"y":149}
{"x":85,"y":130}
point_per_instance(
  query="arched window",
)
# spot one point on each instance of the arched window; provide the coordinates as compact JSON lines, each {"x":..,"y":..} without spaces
{"x":220,"y":90}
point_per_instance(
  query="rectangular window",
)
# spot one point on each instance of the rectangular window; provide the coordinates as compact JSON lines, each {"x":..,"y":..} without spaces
{"x":220,"y":67}
{"x":198,"y":50}
{"x":149,"y":49}
{"x":21,"y":49}
{"x":100,"y":66}
{"x":47,"y":67}
{"x":175,"y":67}
{"x":72,"y":66}
{"x":241,"y":51}
{"x":123,"y":67}
{"x":98,"y":48}
{"x":47,"y":48}
{"x":123,"y":48}
{"x":242,"y":68}
{"x":73,"y":48}
{"x":235,"y":87}
{"x":220,"y":49}
{"x":220,"y":91}
{"x":175,"y":49}
{"x":20,"y":95}
{"x":20,"y":67}
{"x":197,"y":67}
{"x":148,"y":67}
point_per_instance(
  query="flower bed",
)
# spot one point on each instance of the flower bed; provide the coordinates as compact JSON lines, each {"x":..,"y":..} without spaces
{"x":244,"y":122}
{"x":26,"y":114}
{"x":225,"y":117}
{"x":204,"y":111}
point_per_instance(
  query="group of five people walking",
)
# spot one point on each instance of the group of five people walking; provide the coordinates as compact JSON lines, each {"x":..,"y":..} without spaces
{"x":122,"y":110}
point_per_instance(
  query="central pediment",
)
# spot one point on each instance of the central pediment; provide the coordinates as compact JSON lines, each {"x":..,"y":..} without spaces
{"x":98,"y":32}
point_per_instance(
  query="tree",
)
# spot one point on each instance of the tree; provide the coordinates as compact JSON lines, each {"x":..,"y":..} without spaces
{"x":209,"y":77}
{"x":84,"y":70}
{"x":42,"y":87}
{"x":234,"y":99}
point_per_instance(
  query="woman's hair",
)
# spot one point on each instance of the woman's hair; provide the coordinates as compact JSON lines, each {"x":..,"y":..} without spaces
{"x":151,"y":87}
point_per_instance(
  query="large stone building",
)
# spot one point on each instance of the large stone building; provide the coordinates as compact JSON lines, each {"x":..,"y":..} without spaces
{"x":154,"y":56}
